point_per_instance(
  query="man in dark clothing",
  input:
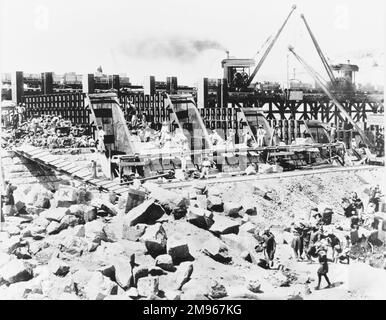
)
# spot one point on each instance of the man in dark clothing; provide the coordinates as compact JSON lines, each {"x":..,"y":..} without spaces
{"x":315,"y":236}
{"x":334,"y":242}
{"x":375,"y":197}
{"x":269,"y":246}
{"x":327,"y":216}
{"x":323,"y":269}
{"x":297,"y":242}
{"x":357,"y":203}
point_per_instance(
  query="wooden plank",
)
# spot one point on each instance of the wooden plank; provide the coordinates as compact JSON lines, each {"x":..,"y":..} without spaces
{"x":70,"y":165}
{"x":55,"y":162}
{"x":49,"y":158}
{"x":83,"y":173}
{"x":75,"y":169}
{"x":102,"y":183}
{"x":40,"y":155}
{"x":37,"y":151}
{"x":62,"y":165}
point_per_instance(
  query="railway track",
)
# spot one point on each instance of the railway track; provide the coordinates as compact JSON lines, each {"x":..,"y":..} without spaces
{"x":267,"y":176}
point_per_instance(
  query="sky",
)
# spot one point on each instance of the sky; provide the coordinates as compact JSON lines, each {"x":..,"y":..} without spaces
{"x":188,"y":39}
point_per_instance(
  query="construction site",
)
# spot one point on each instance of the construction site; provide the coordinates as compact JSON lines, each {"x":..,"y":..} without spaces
{"x":235,"y":188}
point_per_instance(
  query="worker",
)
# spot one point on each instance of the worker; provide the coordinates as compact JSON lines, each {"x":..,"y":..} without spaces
{"x":101,"y":139}
{"x":333,"y":132}
{"x":323,"y":269}
{"x":269,"y":246}
{"x":375,"y":197}
{"x":231,"y":138}
{"x":147,"y":132}
{"x":260,"y":136}
{"x":345,"y":254}
{"x":297,"y":241}
{"x":316,"y":235}
{"x":275,"y":141}
{"x":335,"y":245}
{"x":206,"y":164}
{"x":215,"y":138}
{"x":327,"y":216}
{"x":356,"y":203}
{"x":247,"y":138}
{"x":9,"y":201}
{"x":315,"y":217}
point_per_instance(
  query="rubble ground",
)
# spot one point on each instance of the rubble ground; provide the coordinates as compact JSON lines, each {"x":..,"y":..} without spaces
{"x":78,"y":243}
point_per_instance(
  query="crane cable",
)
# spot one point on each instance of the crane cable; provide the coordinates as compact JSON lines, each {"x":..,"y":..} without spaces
{"x":314,"y":74}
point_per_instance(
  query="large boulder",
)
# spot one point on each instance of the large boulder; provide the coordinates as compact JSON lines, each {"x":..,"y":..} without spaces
{"x":54,"y":214}
{"x":165,"y":262}
{"x":224,"y":225}
{"x":247,"y":227}
{"x":133,"y":233}
{"x":81,"y":278}
{"x":148,"y":212}
{"x":16,"y":270}
{"x":131,"y":199}
{"x":68,"y":221}
{"x":178,"y":249}
{"x":217,"y":250}
{"x":104,"y":205}
{"x":123,"y":272}
{"x":232,"y":208}
{"x":66,"y":196}
{"x":148,"y":286}
{"x":75,"y":246}
{"x":95,"y":232}
{"x":217,"y":290}
{"x":215,"y":203}
{"x":170,"y":200}
{"x":53,"y":227}
{"x":183,"y":274}
{"x":139,"y":272}
{"x":239,"y":243}
{"x":200,"y":217}
{"x":99,"y":287}
{"x":58,"y":267}
{"x":9,"y":245}
{"x":155,"y":240}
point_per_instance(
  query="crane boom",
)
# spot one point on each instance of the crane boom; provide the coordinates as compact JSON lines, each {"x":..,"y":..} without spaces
{"x":313,"y":73}
{"x":259,"y":64}
{"x":320,"y":52}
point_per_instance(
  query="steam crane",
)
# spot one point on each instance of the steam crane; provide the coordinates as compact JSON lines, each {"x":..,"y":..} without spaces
{"x":316,"y":77}
{"x":320,"y":53}
{"x":260,"y":63}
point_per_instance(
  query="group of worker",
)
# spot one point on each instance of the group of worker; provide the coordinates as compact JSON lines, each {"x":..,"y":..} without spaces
{"x":313,"y":238}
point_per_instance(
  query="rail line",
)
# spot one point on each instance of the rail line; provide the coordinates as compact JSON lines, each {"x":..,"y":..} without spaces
{"x":267,"y":176}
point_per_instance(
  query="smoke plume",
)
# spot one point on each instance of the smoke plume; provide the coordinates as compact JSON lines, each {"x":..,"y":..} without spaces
{"x":169,"y":48}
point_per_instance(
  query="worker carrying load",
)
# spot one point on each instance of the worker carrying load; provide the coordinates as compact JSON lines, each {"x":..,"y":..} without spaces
{"x":205,"y":166}
{"x":215,"y":138}
{"x":260,"y":136}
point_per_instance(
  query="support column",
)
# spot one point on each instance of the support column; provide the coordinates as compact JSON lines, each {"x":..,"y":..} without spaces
{"x":202,"y":93}
{"x":88,"y":83}
{"x":17,"y":86}
{"x":47,"y":83}
{"x":149,"y":85}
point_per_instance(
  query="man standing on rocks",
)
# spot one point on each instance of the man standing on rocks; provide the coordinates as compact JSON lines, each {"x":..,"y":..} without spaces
{"x":323,"y":269}
{"x":269,"y":246}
